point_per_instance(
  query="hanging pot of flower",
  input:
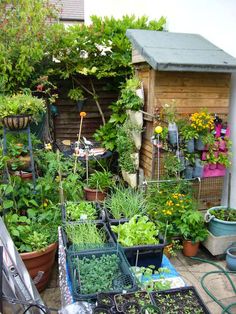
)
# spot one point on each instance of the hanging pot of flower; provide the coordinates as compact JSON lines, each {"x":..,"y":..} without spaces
{"x":172,"y":133}
{"x":19,"y":110}
{"x":198,"y":169}
{"x":199,"y":145}
{"x":190,"y":146}
{"x":188,"y":172}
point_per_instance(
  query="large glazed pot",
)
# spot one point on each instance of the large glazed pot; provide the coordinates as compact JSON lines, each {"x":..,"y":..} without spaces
{"x":219,"y":227}
{"x":39,"y":265}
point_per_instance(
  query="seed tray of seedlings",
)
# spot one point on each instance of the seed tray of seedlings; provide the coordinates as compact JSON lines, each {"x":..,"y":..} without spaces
{"x":106,"y":304}
{"x":104,"y":270}
{"x":82,"y":211}
{"x":184,"y":300}
{"x":86,"y":236}
{"x":142,"y":298}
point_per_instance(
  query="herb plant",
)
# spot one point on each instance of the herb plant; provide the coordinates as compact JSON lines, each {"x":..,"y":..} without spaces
{"x":85,"y":234}
{"x":101,"y":180}
{"x":83,"y":210}
{"x":138,"y":231}
{"x":125,"y":203}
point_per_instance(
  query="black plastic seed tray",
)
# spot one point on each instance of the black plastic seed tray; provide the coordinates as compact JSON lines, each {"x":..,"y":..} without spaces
{"x":101,"y":215}
{"x":73,"y":247}
{"x":180,"y":301}
{"x":111,"y":220}
{"x":125,"y":280}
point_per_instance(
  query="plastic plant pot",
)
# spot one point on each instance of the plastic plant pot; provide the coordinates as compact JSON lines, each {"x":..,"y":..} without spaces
{"x":105,"y":300}
{"x":231,"y":258}
{"x":199,"y":145}
{"x":190,"y":146}
{"x":132,"y":308}
{"x":101,"y":310}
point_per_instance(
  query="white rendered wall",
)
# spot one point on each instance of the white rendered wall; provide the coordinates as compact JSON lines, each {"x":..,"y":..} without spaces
{"x":213,"y":19}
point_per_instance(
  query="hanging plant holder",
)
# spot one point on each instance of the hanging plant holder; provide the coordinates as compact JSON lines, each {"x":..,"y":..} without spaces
{"x":17,"y":122}
{"x":172,"y":133}
{"x":80,"y":104}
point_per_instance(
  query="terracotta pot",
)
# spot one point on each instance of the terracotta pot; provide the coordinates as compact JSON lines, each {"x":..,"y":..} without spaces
{"x":26,"y":176}
{"x":17,"y":122}
{"x":40,"y":261}
{"x":190,"y":248}
{"x":94,"y":195}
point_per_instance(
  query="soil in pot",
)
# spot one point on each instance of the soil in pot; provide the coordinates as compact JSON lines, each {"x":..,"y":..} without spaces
{"x":190,"y":248}
{"x":104,"y":299}
{"x":39,"y":265}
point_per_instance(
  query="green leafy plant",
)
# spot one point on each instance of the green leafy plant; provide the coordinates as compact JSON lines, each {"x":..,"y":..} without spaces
{"x":22,"y":104}
{"x":83,"y":210}
{"x":101,"y":180}
{"x":188,"y":132}
{"x":224,"y":159}
{"x":192,"y":227}
{"x":138,"y":231}
{"x":227,"y":214}
{"x":35,"y":231}
{"x":125,"y":203}
{"x":76,"y":94}
{"x":173,"y":166}
{"x":97,"y":273}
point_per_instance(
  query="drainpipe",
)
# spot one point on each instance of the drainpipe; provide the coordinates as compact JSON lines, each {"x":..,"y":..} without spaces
{"x":232,"y":170}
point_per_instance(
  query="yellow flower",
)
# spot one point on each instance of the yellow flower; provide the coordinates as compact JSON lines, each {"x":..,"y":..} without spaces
{"x":48,"y":146}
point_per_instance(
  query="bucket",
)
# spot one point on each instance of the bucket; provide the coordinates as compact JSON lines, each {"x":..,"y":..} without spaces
{"x":219,"y":227}
{"x":231,"y":258}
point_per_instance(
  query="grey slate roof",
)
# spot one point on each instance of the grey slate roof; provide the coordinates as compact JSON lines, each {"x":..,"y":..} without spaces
{"x":166,"y":51}
{"x":71,"y":10}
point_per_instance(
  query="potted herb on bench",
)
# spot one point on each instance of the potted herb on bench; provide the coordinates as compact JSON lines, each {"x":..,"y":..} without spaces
{"x":98,"y":184}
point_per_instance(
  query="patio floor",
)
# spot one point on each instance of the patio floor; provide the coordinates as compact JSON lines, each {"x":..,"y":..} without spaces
{"x":190,"y":270}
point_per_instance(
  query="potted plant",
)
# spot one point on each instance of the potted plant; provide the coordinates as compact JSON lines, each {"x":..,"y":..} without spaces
{"x":192,"y":228}
{"x":223,"y":161}
{"x":17,"y":111}
{"x":231,"y":258}
{"x":221,"y":220}
{"x":203,"y":123}
{"x":98,"y":184}
{"x":77,"y":95}
{"x":141,"y":241}
{"x":169,"y":112}
{"x":35,"y":237}
{"x":124,"y":203}
{"x":189,"y":134}
{"x":83,"y":210}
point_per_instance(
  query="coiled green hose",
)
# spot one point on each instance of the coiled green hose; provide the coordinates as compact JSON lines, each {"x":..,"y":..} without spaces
{"x":220,"y":271}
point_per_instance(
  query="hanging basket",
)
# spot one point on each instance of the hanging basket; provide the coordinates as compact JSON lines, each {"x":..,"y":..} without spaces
{"x":17,"y":122}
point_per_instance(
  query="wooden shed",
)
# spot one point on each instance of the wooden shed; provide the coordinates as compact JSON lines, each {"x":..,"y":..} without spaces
{"x":186,"y":68}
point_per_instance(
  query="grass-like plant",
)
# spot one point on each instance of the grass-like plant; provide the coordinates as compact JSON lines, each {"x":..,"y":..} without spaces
{"x":125,"y":203}
{"x":85,"y":234}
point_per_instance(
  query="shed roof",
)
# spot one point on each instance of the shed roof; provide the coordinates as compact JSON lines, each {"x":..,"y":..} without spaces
{"x":70,"y":10}
{"x":167,"y":51}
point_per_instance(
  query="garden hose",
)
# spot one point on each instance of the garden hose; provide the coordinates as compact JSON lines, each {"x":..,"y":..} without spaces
{"x":220,"y":271}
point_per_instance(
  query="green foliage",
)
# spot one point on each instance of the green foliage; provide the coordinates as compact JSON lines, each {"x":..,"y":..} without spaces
{"x":27,"y":38}
{"x":76,"y":94}
{"x":107,"y":134}
{"x":102,"y":48}
{"x":85,"y":234}
{"x":172,"y":165}
{"x":73,"y":187}
{"x":138,"y":231}
{"x":97,"y":273}
{"x":35,"y":232}
{"x":5,"y":192}
{"x":227,"y":214}
{"x":83,"y":210}
{"x":192,"y":227}
{"x":101,"y":180}
{"x":22,"y":104}
{"x":188,"y":132}
{"x":125,"y":203}
{"x":126,"y":146}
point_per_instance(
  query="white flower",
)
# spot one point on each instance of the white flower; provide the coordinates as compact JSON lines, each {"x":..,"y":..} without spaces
{"x":55,"y":60}
{"x":83,"y":54}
